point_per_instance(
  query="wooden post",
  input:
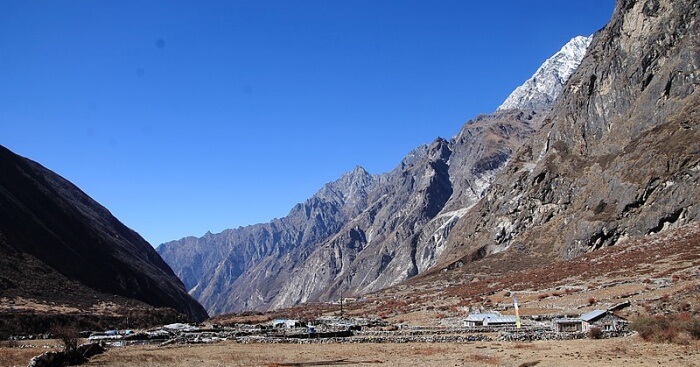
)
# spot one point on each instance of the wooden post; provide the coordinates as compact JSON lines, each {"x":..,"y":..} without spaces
{"x":517,"y":313}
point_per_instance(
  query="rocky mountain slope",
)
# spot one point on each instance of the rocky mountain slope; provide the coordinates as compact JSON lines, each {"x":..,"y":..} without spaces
{"x":363,"y":232}
{"x":618,"y":156}
{"x":212,"y":266}
{"x":59,"y":246}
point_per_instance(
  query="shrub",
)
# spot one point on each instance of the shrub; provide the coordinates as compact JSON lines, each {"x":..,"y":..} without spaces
{"x":667,"y":329}
{"x":653,"y":328}
{"x":591,"y":301}
{"x":9,"y":344}
{"x":684,"y":306}
{"x":595,"y":333}
{"x":693,"y":328}
{"x":68,"y":335}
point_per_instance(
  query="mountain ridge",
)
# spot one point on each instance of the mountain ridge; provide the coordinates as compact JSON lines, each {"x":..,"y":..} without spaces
{"x":47,"y":221}
{"x":371,"y":231}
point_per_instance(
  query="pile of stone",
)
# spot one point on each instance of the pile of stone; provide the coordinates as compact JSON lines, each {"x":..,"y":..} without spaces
{"x":67,"y":358}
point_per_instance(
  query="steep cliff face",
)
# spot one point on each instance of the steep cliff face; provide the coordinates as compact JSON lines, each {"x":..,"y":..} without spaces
{"x":618,"y":156}
{"x":363,"y":232}
{"x":49,"y":226}
{"x":377,"y":248}
{"x":213,"y":267}
{"x":358,"y":234}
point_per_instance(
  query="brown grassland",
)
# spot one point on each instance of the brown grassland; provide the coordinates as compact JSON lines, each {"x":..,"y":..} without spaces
{"x":629,"y":351}
{"x":620,"y":352}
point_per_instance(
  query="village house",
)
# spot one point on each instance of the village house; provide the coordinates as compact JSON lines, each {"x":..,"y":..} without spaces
{"x":489,"y":319}
{"x":567,"y":325}
{"x":605,"y":320}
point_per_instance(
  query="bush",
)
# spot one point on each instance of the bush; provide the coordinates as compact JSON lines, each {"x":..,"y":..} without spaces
{"x":655,"y":329}
{"x":9,"y":344}
{"x":595,"y":333}
{"x":69,"y":335}
{"x":668,"y":328}
{"x":693,"y":328}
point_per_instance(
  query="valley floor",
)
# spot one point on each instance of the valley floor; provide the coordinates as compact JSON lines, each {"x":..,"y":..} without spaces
{"x":628,"y":351}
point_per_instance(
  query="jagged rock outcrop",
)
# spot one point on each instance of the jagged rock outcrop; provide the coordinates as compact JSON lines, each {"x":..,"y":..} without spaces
{"x":619,"y":154}
{"x":215,"y":266}
{"x":58,"y":245}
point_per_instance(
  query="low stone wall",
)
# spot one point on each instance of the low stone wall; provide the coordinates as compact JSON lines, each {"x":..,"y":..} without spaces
{"x":372,"y":339}
{"x":527,"y":336}
{"x":398,"y":336}
{"x":443,"y":331}
{"x":551,"y":335}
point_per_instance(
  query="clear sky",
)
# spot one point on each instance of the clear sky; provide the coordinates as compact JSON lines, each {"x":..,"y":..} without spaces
{"x":183,"y":117}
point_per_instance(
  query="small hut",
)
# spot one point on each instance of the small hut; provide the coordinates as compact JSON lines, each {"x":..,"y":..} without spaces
{"x":488,"y":319}
{"x":604,"y":320}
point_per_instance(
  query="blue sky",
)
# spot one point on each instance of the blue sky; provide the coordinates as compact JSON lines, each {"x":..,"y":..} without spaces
{"x":183,"y":117}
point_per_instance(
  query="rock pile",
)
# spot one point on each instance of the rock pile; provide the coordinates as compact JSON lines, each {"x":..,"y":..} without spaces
{"x":71,"y":358}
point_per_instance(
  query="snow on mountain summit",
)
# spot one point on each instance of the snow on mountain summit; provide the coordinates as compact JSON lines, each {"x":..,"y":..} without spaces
{"x":545,"y":85}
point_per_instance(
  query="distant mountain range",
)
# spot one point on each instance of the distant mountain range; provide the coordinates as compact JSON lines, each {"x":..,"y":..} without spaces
{"x":60,"y":248}
{"x":366,"y":232}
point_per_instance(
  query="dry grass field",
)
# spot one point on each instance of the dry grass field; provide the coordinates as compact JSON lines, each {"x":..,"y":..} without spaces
{"x":630,"y":351}
{"x":12,"y":355}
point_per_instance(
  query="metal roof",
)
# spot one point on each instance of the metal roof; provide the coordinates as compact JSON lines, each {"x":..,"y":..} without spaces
{"x":566,"y":321}
{"x":593,"y":315}
{"x":481,"y":316}
{"x":502,"y":320}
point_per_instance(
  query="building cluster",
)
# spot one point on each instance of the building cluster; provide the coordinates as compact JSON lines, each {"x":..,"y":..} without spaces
{"x":605,"y":320}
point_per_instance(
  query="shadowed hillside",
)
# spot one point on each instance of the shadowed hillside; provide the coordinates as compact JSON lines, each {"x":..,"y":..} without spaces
{"x":58,"y":245}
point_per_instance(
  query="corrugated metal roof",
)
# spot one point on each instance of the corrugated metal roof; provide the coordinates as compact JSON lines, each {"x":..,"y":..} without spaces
{"x":566,"y":321}
{"x":481,"y":316}
{"x":502,"y":320}
{"x":588,"y":316}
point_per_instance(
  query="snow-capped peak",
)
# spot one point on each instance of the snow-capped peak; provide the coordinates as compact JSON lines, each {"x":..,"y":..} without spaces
{"x":544,"y":86}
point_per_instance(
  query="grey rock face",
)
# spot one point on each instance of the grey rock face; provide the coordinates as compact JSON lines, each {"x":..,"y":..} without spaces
{"x":618,"y":155}
{"x":215,"y":266}
{"x":361,"y":233}
{"x":358,"y":234}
